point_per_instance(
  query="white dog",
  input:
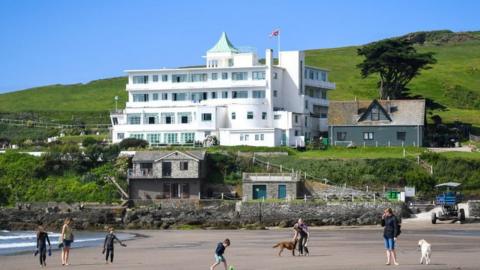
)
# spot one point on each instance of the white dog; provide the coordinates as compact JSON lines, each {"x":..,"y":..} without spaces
{"x":426,"y":250}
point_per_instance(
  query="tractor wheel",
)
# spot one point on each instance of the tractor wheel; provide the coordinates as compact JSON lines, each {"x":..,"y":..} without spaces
{"x":434,"y":218}
{"x":461,"y":215}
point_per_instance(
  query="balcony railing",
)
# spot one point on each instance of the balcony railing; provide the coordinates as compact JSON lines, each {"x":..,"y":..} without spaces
{"x":148,"y":173}
{"x":321,"y":84}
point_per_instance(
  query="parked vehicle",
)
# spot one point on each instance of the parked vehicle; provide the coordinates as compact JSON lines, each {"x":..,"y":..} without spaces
{"x":448,"y":199}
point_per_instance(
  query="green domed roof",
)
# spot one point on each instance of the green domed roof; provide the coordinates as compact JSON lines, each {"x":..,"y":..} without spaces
{"x":223,"y":45}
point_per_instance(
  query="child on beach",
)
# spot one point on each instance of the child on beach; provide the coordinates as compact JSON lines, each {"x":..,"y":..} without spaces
{"x":42,"y":239}
{"x":108,"y":244}
{"x":219,"y":254}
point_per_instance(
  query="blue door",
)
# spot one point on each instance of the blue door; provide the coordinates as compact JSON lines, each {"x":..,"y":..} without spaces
{"x":259,"y":192}
{"x":282,"y":191}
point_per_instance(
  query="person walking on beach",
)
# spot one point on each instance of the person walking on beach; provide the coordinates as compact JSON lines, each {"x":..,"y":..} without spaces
{"x":66,"y":239}
{"x":109,"y":243}
{"x":219,"y":257}
{"x":42,"y":239}
{"x":301,"y":235}
{"x":390,"y":232}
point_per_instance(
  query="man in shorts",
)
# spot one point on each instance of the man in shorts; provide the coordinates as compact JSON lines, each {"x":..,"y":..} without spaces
{"x":219,"y":254}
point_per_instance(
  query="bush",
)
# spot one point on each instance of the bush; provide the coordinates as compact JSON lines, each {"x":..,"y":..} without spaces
{"x":89,"y":141}
{"x":132,"y":143}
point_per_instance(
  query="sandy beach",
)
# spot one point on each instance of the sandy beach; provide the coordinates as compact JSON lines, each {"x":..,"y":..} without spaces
{"x":455,"y":246}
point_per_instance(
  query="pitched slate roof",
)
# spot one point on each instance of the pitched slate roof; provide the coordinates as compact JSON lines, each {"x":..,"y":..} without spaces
{"x":223,"y":45}
{"x":401,"y":112}
{"x":156,"y":155}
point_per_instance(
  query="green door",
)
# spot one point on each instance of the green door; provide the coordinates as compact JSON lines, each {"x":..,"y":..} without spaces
{"x":259,"y":192}
{"x":282,"y":191}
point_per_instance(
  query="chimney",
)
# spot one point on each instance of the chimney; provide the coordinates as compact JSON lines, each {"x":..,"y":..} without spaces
{"x":269,"y":57}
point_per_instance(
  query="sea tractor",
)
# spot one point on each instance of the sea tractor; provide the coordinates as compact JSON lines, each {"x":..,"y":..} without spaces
{"x":448,"y":199}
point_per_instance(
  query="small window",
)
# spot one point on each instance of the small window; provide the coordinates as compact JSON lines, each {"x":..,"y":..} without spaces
{"x":368,"y":136}
{"x":277,"y":116}
{"x":241,"y":137}
{"x":401,"y":136}
{"x":296,"y":118}
{"x":164,"y":96}
{"x":341,"y":136}
{"x":323,"y":115}
{"x":151,"y":120}
{"x":206,"y":117}
{"x":184,"y":166}
{"x":165,"y":78}
{"x":275,"y":75}
{"x":184,"y":119}
{"x":275,"y":93}
{"x":296,"y":132}
{"x":214,"y":76}
{"x":230,"y":62}
{"x":234,"y":116}
{"x":249,"y":115}
{"x":258,"y":75}
{"x":257,"y":137}
{"x":155,"y":96}
{"x":115,"y":120}
{"x":214,"y":95}
{"x":246,"y":137}
{"x":262,"y":137}
{"x":240,"y":94}
{"x":120,"y":136}
{"x":224,"y":75}
{"x":375,"y":114}
{"x":264,"y":115}
{"x":258,"y":94}
{"x":155,"y":78}
{"x":306,"y":121}
{"x":225,"y":94}
{"x":306,"y":104}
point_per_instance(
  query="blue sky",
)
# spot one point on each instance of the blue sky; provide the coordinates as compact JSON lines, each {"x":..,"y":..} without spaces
{"x":49,"y":42}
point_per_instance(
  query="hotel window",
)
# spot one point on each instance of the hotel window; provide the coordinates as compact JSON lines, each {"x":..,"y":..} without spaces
{"x":264,"y":115}
{"x":138,"y":136}
{"x":249,"y":115}
{"x":224,"y":75}
{"x":323,"y":115}
{"x":185,"y":117}
{"x":214,"y":95}
{"x":214,"y":76}
{"x":155,"y":96}
{"x":246,"y":137}
{"x":324,"y":76}
{"x":155,"y":78}
{"x":143,"y":79}
{"x":324,"y":94}
{"x":151,"y":119}
{"x":296,"y":132}
{"x":206,"y":117}
{"x":306,"y":74}
{"x":196,"y":97}
{"x":240,"y":94}
{"x":277,"y":117}
{"x":261,"y":137}
{"x":199,"y":77}
{"x":187,"y":137}
{"x":306,"y":121}
{"x":170,"y":138}
{"x":115,"y":120}
{"x":310,"y":75}
{"x":275,"y":75}
{"x":177,"y":78}
{"x":258,"y":94}
{"x":296,"y":118}
{"x":164,"y":96}
{"x":341,"y":136}
{"x":183,"y":165}
{"x":275,"y":93}
{"x":167,"y":118}
{"x":258,"y":75}
{"x":225,"y":94}
{"x":241,"y":137}
{"x":165,"y":78}
{"x":120,"y":136}
{"x":153,"y":139}
{"x":368,"y":135}
{"x":140,"y":97}
{"x":401,"y":135}
{"x":179,"y":96}
{"x":230,"y":62}
{"x":234,"y":116}
{"x":257,"y":137}
{"x":239,"y":76}
{"x":133,"y":119}
{"x":306,"y":104}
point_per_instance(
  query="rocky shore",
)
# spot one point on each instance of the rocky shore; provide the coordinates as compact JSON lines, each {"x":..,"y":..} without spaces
{"x":195,"y":214}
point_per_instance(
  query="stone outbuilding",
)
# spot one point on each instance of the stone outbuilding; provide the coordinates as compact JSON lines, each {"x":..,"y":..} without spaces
{"x":166,"y":175}
{"x":270,"y":186}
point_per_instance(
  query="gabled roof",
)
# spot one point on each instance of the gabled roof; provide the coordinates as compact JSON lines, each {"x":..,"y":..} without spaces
{"x":401,"y":112}
{"x":223,"y":45}
{"x":374,"y":103}
{"x":158,"y":155}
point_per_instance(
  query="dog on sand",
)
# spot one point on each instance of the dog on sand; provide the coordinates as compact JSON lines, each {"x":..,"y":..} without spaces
{"x":290,"y":245}
{"x":426,"y":250}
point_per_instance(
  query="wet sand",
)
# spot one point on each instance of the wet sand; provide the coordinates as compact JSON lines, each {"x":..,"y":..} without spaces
{"x":455,"y":246}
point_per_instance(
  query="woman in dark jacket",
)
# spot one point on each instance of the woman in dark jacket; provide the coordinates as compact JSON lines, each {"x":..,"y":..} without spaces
{"x":390,"y":233}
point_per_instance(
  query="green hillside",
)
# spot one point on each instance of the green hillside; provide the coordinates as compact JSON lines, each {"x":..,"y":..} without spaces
{"x":453,"y":83}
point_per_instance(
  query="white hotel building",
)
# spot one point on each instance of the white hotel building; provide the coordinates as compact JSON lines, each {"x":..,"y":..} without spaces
{"x":234,"y":97}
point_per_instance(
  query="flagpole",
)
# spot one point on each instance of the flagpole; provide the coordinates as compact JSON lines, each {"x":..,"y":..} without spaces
{"x":278,"y":45}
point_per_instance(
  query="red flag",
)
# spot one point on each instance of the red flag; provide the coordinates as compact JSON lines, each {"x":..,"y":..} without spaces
{"x":275,"y":33}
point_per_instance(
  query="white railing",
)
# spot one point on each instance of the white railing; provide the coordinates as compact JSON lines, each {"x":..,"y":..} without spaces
{"x":221,"y":84}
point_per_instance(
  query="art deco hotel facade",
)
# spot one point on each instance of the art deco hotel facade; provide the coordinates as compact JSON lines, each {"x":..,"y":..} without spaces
{"x":234,"y":97}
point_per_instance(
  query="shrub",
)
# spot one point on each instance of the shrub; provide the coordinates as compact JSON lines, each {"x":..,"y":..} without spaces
{"x":133,"y":143}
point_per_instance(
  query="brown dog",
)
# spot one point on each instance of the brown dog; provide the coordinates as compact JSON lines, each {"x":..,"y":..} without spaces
{"x":290,"y":245}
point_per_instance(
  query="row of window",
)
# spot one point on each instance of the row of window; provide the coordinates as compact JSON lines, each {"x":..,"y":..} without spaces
{"x":165,"y":118}
{"x":314,"y":74}
{"x":197,"y":96}
{"x":157,"y":138}
{"x":249,"y":115}
{"x":257,"y":137}
{"x":368,"y":136}
{"x":198,"y":77}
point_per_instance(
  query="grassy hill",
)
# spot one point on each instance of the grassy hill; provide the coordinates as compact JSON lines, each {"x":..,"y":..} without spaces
{"x":453,"y":83}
